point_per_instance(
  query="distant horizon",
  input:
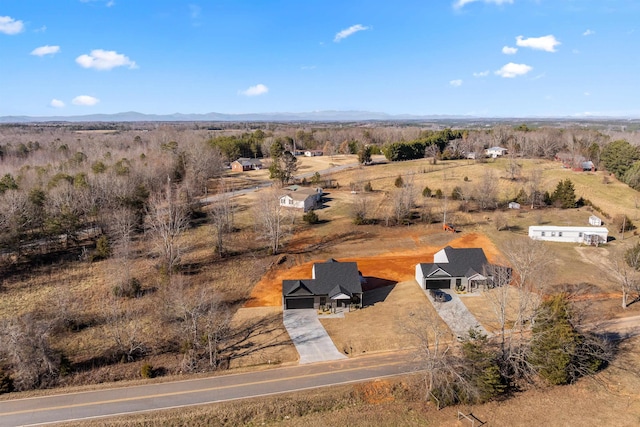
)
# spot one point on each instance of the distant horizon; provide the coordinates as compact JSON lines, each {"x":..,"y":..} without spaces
{"x":324,"y":115}
{"x":467,"y":58}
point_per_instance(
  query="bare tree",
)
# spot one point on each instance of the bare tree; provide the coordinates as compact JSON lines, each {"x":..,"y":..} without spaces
{"x":124,"y":329}
{"x":486,"y":192}
{"x":222,"y":216}
{"x":403,"y":200}
{"x":202,"y":323}
{"x":516,"y":300}
{"x":360,"y":209}
{"x":434,"y":351}
{"x":432,"y":152}
{"x":167,"y":219}
{"x":626,"y":272}
{"x":25,"y":343}
{"x":272,"y":220}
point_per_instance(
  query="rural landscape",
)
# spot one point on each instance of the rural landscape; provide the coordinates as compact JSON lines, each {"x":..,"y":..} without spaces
{"x":319,"y":213}
{"x":149,"y":252}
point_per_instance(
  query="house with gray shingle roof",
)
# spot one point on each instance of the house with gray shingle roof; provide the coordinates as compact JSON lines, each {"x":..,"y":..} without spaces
{"x":333,"y":284}
{"x":462,"y":269}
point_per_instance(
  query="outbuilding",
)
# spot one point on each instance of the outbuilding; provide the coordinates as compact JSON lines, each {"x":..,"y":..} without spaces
{"x":594,"y":220}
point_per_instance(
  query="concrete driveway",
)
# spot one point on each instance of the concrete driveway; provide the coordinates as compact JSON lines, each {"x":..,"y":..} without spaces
{"x":455,"y":314}
{"x":310,"y":338}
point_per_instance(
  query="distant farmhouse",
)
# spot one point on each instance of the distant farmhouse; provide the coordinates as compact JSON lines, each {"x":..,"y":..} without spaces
{"x":301,"y":198}
{"x":333,"y":284}
{"x":572,"y":234}
{"x":576,"y":163}
{"x":495,"y":152}
{"x":313,"y":153}
{"x":245,"y":164}
{"x":461,"y":269}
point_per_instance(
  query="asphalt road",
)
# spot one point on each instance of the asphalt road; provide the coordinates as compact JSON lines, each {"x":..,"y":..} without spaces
{"x":127,"y":400}
{"x":152,"y":397}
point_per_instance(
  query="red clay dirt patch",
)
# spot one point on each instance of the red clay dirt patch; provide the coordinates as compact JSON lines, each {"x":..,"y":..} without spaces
{"x":387,"y":267}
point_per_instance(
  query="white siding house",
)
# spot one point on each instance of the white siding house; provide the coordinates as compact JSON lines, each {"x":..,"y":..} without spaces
{"x":571,"y":234}
{"x":495,"y":152}
{"x":302,"y":198}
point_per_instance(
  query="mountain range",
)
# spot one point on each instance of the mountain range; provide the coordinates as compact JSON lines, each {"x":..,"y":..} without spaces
{"x":317,"y":116}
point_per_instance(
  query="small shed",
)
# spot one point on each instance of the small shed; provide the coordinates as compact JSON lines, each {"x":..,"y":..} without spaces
{"x":514,"y":205}
{"x":594,"y":220}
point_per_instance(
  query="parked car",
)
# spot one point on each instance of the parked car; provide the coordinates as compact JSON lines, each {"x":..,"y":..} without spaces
{"x":438,"y":295}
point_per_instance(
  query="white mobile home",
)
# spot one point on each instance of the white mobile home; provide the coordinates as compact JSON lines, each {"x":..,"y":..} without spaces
{"x":571,"y":234}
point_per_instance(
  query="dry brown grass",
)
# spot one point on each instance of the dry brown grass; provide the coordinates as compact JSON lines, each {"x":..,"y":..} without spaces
{"x":611,"y":400}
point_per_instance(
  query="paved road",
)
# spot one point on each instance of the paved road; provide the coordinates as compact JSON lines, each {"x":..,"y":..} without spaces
{"x":309,"y":336}
{"x":110,"y":402}
{"x":265,"y":184}
{"x":105,"y":403}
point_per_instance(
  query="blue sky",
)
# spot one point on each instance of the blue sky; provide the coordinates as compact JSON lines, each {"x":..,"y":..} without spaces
{"x":490,"y":58}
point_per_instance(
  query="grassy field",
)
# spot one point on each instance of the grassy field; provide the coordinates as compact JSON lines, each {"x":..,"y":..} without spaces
{"x":249,"y":280}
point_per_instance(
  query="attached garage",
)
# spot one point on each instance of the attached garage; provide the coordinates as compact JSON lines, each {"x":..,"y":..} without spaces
{"x":438,"y":284}
{"x":299,"y":303}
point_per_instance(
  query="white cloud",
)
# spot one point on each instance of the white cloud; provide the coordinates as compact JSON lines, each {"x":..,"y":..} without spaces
{"x":85,"y":100}
{"x":587,"y":94}
{"x":456,"y":83}
{"x":56,"y":103}
{"x":461,"y":3}
{"x":546,"y":43}
{"x":194,"y":11}
{"x":308,"y":67}
{"x":107,"y":3}
{"x":10,"y":26}
{"x":104,"y":60}
{"x":508,"y":50}
{"x":512,"y":70}
{"x":588,"y":33}
{"x":481,"y":74}
{"x":45,"y":50}
{"x":256,"y":90}
{"x":349,"y":31}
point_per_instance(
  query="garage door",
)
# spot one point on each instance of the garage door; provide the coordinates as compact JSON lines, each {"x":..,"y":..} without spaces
{"x":438,"y":284}
{"x":297,"y":303}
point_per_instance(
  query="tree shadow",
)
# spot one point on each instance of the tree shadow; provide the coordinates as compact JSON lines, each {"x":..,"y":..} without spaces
{"x":248,"y":337}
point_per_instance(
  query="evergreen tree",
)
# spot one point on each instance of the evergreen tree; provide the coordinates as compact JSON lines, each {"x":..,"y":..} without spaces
{"x":564,"y":195}
{"x":483,"y":371}
{"x":560,"y":353}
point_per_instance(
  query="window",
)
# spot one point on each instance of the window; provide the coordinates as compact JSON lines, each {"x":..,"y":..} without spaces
{"x":580,"y":234}
{"x":559,"y":233}
{"x":542,"y":233}
{"x":553,"y":234}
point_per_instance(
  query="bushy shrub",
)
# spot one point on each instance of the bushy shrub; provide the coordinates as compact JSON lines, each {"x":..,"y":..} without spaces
{"x":130,"y":289}
{"x":6,"y":383}
{"x":147,"y":371}
{"x":311,"y":217}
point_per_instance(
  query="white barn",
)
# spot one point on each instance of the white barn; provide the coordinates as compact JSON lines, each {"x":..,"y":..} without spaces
{"x":571,"y":234}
